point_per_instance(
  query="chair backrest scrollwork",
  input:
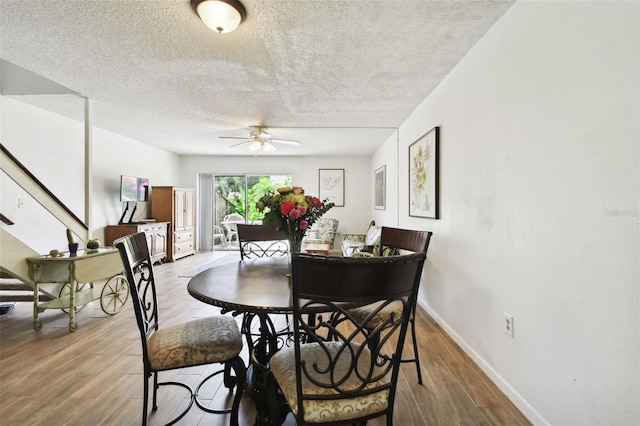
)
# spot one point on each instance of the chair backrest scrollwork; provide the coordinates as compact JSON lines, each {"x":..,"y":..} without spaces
{"x":349,"y":361}
{"x":258,"y":241}
{"x":138,"y":266}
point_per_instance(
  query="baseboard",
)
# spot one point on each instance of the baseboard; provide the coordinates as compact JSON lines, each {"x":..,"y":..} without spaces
{"x":527,"y":410}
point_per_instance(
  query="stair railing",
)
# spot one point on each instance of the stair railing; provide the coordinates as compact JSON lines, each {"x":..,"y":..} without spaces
{"x":36,"y":189}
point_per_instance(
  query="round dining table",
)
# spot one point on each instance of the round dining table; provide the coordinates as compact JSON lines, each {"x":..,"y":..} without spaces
{"x":256,"y":289}
{"x":259,"y":286}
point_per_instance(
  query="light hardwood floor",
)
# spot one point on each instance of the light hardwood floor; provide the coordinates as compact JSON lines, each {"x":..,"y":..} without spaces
{"x":93,"y":376}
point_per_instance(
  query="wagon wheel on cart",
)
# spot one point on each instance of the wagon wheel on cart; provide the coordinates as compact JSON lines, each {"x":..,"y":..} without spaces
{"x":114,"y":295}
{"x":64,"y":292}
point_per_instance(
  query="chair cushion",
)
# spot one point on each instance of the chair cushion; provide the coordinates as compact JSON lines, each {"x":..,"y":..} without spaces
{"x":386,"y":250}
{"x":383,"y":315}
{"x":282,"y":367}
{"x":324,"y":231}
{"x":201,"y":341}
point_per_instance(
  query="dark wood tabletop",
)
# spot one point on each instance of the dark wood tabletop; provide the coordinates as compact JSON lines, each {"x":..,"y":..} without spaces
{"x":259,"y":286}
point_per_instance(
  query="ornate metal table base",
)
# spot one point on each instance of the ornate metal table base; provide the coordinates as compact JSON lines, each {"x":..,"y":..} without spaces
{"x":271,"y":405}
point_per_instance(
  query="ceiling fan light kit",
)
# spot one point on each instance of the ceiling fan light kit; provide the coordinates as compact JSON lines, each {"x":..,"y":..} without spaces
{"x":257,"y":145}
{"x":222,"y":16}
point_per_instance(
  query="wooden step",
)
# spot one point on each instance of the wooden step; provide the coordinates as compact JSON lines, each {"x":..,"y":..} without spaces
{"x":12,"y":297}
{"x":14,"y":286}
{"x":13,"y":290}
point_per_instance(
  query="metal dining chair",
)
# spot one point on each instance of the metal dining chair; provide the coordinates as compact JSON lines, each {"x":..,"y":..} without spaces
{"x":208,"y":340}
{"x":350,"y":377}
{"x":259,"y":241}
{"x":394,"y":241}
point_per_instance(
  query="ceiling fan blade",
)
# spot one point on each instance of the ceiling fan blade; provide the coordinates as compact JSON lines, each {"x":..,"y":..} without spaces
{"x":285,"y":142}
{"x":238,"y":144}
{"x":232,"y":137}
{"x":268,"y":146}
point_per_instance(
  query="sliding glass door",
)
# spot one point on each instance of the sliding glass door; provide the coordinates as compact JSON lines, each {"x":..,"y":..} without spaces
{"x":226,"y":200}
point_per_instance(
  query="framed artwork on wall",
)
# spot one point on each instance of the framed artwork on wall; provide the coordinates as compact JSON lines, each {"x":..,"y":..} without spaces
{"x":331,"y":183}
{"x":423,"y":175}
{"x":380,"y":188}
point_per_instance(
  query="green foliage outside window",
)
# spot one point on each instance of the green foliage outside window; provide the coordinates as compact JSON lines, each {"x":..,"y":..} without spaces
{"x":232,"y":190}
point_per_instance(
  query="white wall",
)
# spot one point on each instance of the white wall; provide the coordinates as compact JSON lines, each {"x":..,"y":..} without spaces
{"x":135,"y":159}
{"x":387,"y":156}
{"x":539,"y":204}
{"x":48,"y":146}
{"x":354,"y":216}
{"x":52,"y":148}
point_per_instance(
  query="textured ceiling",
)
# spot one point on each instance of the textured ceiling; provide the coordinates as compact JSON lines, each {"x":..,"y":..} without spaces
{"x":339,"y":76}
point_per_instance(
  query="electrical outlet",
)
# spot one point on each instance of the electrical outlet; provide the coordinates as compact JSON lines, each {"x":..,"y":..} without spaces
{"x":508,"y":324}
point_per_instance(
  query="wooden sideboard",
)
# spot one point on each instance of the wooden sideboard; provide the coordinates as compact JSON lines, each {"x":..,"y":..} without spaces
{"x":157,"y":236}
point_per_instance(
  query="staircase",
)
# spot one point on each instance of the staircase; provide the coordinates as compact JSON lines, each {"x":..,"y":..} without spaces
{"x":12,"y":290}
{"x":15,"y":283}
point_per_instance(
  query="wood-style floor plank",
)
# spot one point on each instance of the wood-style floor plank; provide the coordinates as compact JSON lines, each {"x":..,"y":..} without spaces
{"x":93,"y":376}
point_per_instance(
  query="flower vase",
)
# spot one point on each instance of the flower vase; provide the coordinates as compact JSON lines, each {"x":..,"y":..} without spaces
{"x":73,"y":249}
{"x":295,"y":243}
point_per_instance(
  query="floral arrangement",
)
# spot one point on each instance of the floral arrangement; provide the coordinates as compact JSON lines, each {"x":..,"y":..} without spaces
{"x":290,"y":210}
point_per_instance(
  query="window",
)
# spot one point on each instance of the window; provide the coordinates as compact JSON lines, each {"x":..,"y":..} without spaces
{"x":221,"y":196}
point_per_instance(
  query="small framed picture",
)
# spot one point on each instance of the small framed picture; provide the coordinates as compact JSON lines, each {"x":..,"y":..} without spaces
{"x":331,"y":183}
{"x":423,"y":175}
{"x":380,"y":188}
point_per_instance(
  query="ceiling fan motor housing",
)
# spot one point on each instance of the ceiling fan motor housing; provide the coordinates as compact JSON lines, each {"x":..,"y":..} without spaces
{"x":258,"y":133}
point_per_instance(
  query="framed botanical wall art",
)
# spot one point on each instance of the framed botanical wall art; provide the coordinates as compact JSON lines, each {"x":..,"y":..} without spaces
{"x":423,"y":175}
{"x":331,"y":182}
{"x":380,"y":188}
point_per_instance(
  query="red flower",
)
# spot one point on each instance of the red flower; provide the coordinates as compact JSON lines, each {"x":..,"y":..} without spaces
{"x":286,"y":207}
{"x":315,"y":202}
{"x":292,"y":211}
{"x":294,"y":214}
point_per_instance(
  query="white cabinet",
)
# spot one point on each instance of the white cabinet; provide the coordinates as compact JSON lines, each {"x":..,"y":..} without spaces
{"x":156,"y":233}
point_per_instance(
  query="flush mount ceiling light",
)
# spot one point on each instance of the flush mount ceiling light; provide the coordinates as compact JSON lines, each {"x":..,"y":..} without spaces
{"x":222,"y":16}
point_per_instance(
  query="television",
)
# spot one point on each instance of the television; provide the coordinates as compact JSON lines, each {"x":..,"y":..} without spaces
{"x":134,"y":188}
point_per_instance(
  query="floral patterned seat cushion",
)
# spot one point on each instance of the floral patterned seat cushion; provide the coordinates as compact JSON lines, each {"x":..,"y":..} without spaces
{"x":324,"y":232}
{"x":327,"y":411}
{"x":202,"y":341}
{"x":394,"y":308}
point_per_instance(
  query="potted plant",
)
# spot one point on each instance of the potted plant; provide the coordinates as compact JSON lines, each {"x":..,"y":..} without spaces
{"x":93,"y":246}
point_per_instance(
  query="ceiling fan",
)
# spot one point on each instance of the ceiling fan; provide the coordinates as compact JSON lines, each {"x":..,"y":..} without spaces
{"x":260,"y":140}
